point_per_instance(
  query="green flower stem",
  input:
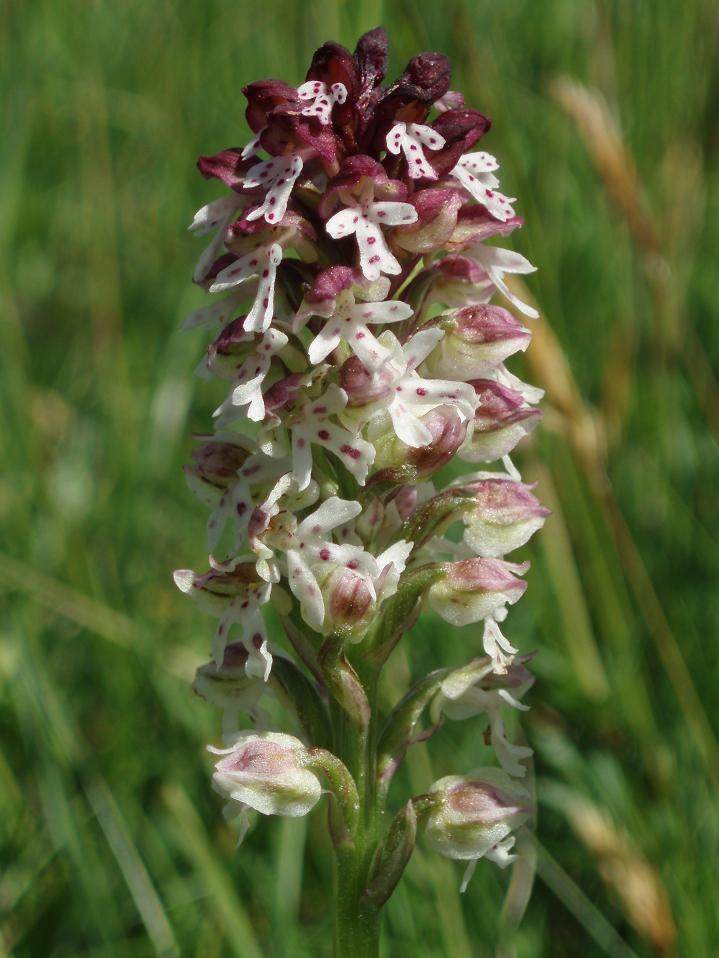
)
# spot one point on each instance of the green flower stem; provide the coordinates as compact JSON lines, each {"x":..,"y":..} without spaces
{"x":357,"y":921}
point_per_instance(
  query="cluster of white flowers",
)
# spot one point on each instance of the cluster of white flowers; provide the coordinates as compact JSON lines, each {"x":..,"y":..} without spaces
{"x":362,"y":354}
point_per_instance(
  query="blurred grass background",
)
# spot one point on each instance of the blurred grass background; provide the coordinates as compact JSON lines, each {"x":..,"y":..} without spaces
{"x":111,"y":842}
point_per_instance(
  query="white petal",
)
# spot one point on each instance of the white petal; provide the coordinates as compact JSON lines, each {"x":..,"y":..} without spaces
{"x":505,"y":259}
{"x":301,"y":457}
{"x":260,"y":316}
{"x":324,"y":342}
{"x":420,"y":346}
{"x":394,"y":138}
{"x":392,"y":311}
{"x":343,"y":223}
{"x":211,"y":216}
{"x":304,"y":585}
{"x":393,"y":214}
{"x":407,"y":427}
{"x":375,"y":255}
{"x":333,"y":512}
{"x":427,"y":136}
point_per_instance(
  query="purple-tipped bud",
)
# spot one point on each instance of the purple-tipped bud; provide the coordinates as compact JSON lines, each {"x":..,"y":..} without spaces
{"x":216,"y":465}
{"x":476,"y":340}
{"x":266,"y":771}
{"x":502,"y":418}
{"x":397,"y":462}
{"x":475,"y":224}
{"x":474,"y":813}
{"x":506,"y":516}
{"x":437,"y":211}
{"x":474,"y":589}
{"x":361,"y":386}
{"x":348,"y":600}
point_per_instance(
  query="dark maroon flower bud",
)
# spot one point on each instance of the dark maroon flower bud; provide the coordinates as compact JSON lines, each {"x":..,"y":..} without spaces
{"x":371,"y":57}
{"x":227,"y":166}
{"x":437,"y":211}
{"x":333,"y":63}
{"x":263,"y":97}
{"x":461,"y":129}
{"x":410,"y":98}
{"x":288,"y":131}
{"x":356,"y":172}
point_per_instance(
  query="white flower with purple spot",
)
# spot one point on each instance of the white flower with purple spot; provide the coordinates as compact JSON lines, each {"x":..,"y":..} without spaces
{"x":408,"y":396}
{"x":311,"y":552}
{"x":349,"y":321}
{"x":217,"y":216}
{"x":364,"y":218}
{"x":410,"y":139}
{"x":475,"y":172}
{"x":313,"y":426}
{"x":277,"y":175}
{"x":323,"y":98}
{"x":250,"y":377}
{"x":497,"y":262}
{"x":461,"y":700}
{"x":233,"y":603}
{"x":261,"y":263}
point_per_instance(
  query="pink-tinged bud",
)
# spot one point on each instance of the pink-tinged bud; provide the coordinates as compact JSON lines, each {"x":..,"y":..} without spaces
{"x":266,"y":771}
{"x":348,"y":600}
{"x":476,"y":340}
{"x":405,"y":501}
{"x":476,"y":224}
{"x":501,"y":419}
{"x":460,"y":281}
{"x":474,"y":589}
{"x":215,"y":467}
{"x":361,"y":386}
{"x":284,"y":392}
{"x":228,"y":686}
{"x":506,"y":516}
{"x":474,"y":813}
{"x":437,"y":211}
{"x":396,"y":461}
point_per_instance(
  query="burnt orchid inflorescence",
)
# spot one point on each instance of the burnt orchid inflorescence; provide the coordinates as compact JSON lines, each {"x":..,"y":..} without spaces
{"x":354,"y":328}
